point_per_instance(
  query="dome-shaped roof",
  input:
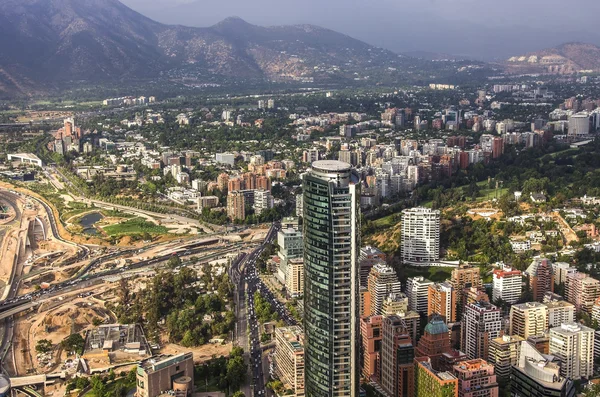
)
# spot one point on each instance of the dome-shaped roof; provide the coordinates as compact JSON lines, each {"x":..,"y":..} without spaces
{"x":436,"y":326}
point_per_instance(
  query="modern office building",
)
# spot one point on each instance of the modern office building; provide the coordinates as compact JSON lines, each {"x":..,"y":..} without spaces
{"x":429,"y":382}
{"x":504,"y":353}
{"x":481,"y":323}
{"x":371,"y":334}
{"x":397,"y":354}
{"x":420,"y":237}
{"x":382,"y":282}
{"x":417,"y":291}
{"x":541,"y":278}
{"x":528,"y":319}
{"x":582,"y":291}
{"x":507,"y":285}
{"x":539,"y":377}
{"x":158,"y":375}
{"x":573,"y":345}
{"x":331,"y":293}
{"x":291,"y":246}
{"x":288,"y":360}
{"x":476,"y":378}
{"x":435,"y":341}
{"x":441,"y":300}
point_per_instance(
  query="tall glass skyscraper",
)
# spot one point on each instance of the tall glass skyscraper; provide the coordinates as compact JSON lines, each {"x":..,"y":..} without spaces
{"x":331,"y":279}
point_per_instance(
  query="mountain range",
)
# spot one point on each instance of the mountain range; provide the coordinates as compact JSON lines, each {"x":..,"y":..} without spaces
{"x":48,"y":45}
{"x":565,"y":59}
{"x":45,"y":42}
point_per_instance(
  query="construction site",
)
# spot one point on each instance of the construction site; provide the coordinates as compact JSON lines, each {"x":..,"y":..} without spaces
{"x":53,"y":288}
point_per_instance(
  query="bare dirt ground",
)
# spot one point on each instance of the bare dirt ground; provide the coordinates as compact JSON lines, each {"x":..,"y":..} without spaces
{"x":201,"y":353}
{"x":55,"y":320}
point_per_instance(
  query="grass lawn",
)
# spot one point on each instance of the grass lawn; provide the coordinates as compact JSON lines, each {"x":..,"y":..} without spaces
{"x":387,"y":221}
{"x":135,"y":226}
{"x":433,"y":273}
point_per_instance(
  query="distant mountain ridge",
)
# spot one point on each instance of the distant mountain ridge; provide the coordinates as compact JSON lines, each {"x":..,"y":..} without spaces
{"x":564,"y":59}
{"x":49,"y":41}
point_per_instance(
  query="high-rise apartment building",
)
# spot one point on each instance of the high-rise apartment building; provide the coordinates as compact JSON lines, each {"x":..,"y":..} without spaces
{"x":441,"y":300}
{"x":504,"y":353}
{"x":476,"y":378}
{"x":481,"y":323}
{"x":560,"y":312}
{"x":382,"y":282}
{"x":263,"y":201}
{"x":429,"y":382}
{"x":596,"y":310}
{"x":582,"y":291}
{"x":371,"y":335}
{"x":507,"y":285}
{"x":294,"y":277}
{"x":369,"y":257}
{"x":573,"y":345}
{"x":541,"y":278}
{"x":331,"y":295}
{"x":222,"y":181}
{"x":528,"y":319}
{"x":288,"y":360}
{"x":461,"y":278}
{"x":236,"y":205}
{"x":394,"y":304}
{"x":417,"y":290}
{"x":420,"y":237}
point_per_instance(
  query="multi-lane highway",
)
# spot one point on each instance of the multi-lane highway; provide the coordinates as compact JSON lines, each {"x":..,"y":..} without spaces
{"x":247,"y":284}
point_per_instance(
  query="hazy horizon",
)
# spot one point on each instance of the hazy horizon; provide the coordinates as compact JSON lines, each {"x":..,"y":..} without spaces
{"x":484,"y":29}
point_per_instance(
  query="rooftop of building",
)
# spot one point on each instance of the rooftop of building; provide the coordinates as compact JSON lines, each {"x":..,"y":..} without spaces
{"x":557,"y":304}
{"x":571,"y":328}
{"x":161,"y":361}
{"x":294,"y":335}
{"x":426,"y":363}
{"x":331,"y":165}
{"x":382,"y":268}
{"x":528,"y":305}
{"x":420,"y":210}
{"x":544,"y":372}
{"x":370,"y":250}
{"x":507,"y":339}
{"x":436,"y":326}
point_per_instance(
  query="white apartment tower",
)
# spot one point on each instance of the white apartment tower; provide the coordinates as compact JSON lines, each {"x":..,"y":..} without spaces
{"x":382,"y":282}
{"x":420,"y":242}
{"x":573,"y":345}
{"x":481,"y":323}
{"x":507,"y":285}
{"x":560,"y":312}
{"x":417,"y":291}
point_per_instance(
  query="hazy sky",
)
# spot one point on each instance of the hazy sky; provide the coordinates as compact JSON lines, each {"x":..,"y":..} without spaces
{"x":481,"y":28}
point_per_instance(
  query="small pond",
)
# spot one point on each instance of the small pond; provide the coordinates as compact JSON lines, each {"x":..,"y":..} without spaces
{"x":88,"y":221}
